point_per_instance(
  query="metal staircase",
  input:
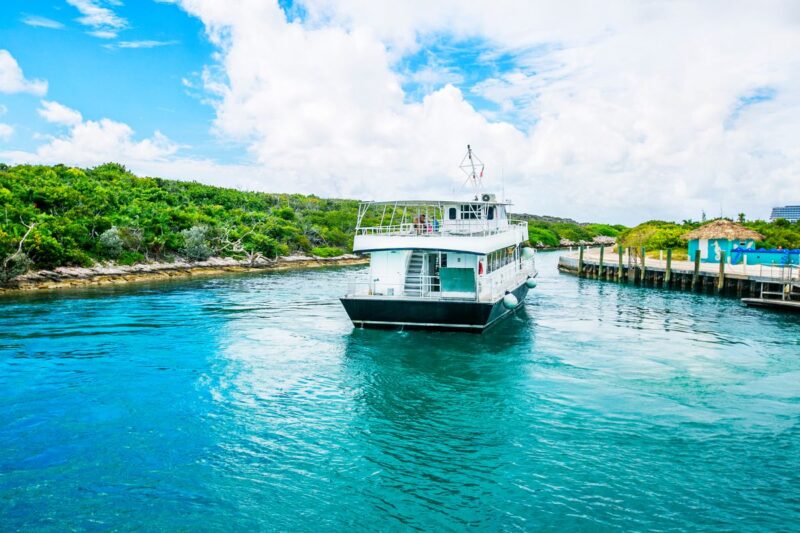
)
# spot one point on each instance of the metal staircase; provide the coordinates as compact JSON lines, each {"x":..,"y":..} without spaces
{"x":414,"y":278}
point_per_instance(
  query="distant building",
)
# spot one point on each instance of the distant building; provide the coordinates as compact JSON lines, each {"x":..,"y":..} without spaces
{"x":789,"y":212}
{"x":720,"y":236}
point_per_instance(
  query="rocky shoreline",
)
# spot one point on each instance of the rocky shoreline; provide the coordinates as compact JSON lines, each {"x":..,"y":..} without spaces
{"x":110,"y":274}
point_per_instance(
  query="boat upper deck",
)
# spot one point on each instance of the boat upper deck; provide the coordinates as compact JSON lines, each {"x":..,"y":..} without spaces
{"x":469,"y":226}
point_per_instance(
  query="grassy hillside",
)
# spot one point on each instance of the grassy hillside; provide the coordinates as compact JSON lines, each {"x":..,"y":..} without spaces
{"x":71,"y":216}
{"x":548,"y":231}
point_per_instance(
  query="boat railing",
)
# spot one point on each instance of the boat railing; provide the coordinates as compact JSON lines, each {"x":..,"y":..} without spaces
{"x":429,"y":288}
{"x":438,"y":229}
{"x":490,"y":287}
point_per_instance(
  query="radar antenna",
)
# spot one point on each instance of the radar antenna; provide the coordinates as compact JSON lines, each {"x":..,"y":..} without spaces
{"x":473,"y":168}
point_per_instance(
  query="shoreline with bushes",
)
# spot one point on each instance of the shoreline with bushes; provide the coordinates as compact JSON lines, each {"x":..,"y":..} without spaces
{"x":113,"y":274}
{"x":59,"y":217}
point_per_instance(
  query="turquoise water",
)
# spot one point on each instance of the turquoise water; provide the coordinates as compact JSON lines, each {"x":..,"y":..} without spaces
{"x":250,"y":402}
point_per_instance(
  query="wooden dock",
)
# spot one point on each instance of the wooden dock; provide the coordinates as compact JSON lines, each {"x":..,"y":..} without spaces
{"x":764,"y":283}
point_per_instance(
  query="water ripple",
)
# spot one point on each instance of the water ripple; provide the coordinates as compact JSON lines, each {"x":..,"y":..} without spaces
{"x":250,"y":402}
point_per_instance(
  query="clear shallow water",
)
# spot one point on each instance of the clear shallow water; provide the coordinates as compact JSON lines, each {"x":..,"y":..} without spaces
{"x":251,"y":402}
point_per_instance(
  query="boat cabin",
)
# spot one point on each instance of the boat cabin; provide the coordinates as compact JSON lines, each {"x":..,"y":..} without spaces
{"x":463,"y":250}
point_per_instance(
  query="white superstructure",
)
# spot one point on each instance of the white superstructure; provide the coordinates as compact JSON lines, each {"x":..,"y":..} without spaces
{"x":442,"y":249}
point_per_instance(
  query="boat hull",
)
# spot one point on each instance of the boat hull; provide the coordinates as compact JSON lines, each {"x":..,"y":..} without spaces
{"x":412,"y":313}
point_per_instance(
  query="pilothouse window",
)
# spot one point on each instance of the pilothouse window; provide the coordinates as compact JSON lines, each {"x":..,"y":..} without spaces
{"x":452,"y":213}
{"x":470,"y":212}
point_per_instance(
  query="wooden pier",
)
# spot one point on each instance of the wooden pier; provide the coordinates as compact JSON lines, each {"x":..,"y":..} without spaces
{"x":763,"y":285}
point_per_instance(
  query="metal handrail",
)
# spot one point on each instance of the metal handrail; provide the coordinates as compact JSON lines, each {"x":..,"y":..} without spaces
{"x":490,"y":287}
{"x":396,"y":290}
{"x":440,"y":230}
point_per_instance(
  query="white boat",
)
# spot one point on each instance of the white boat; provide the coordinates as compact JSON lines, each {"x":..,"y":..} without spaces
{"x":457,"y":265}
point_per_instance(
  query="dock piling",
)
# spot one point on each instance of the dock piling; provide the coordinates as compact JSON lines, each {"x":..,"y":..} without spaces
{"x":721,"y":280}
{"x":696,"y":273}
{"x":668,"y":271}
{"x":642,"y":272}
{"x":619,"y":268}
{"x":600,"y":264}
{"x":580,"y":261}
{"x":631,"y":266}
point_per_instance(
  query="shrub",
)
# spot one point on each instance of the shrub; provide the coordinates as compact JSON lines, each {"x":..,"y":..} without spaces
{"x":196,"y":246}
{"x":326,"y":251}
{"x":111,"y":243}
{"x":14,"y":266}
{"x":130,"y":258}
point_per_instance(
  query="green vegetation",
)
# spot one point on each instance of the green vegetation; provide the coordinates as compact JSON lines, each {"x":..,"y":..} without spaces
{"x":549,"y":231}
{"x":660,"y":235}
{"x":61,"y":216}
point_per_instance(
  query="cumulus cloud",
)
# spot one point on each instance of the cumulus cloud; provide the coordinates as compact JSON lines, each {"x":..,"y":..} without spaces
{"x":618,"y":111}
{"x":104,"y":21}
{"x":90,"y":142}
{"x":12,"y":80}
{"x":6,"y":131}
{"x":59,"y":114}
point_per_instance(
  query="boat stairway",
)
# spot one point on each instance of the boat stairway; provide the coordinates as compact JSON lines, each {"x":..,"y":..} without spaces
{"x":413,"y":285}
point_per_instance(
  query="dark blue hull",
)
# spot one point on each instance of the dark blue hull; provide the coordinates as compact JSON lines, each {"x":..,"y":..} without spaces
{"x":453,"y":315}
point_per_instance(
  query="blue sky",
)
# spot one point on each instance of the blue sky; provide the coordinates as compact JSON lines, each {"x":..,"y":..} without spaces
{"x":146,"y":86}
{"x":576,"y":108}
{"x":141,"y":87}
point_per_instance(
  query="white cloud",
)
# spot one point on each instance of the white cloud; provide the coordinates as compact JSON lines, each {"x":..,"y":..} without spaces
{"x":59,"y":114}
{"x":622,"y":111}
{"x":105,"y":21}
{"x":42,"y":22}
{"x":90,"y":142}
{"x":103,"y":34}
{"x":141,"y":44}
{"x":12,"y":80}
{"x":6,"y":131}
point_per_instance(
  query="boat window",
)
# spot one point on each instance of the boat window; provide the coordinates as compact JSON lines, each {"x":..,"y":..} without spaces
{"x":470,"y":212}
{"x":490,"y":216}
{"x":453,"y":213}
{"x":500,"y":258}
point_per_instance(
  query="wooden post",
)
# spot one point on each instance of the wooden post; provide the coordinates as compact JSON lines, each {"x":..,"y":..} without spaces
{"x":600,"y":265}
{"x":668,"y":272}
{"x":696,"y":270}
{"x":619,"y":270}
{"x":721,"y":280}
{"x":642,"y":272}
{"x":580,"y":261}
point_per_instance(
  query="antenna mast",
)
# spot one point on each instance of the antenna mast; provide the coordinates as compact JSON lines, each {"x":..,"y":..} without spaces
{"x":473,"y":168}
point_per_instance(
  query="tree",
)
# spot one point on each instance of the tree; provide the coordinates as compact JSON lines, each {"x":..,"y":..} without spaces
{"x":741,"y":218}
{"x":18,"y":262}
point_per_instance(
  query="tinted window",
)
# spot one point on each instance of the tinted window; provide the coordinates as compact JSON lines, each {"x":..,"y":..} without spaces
{"x":491,"y":213}
{"x":453,"y":213}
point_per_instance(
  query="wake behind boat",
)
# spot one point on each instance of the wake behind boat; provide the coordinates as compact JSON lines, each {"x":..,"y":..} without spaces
{"x":457,"y":265}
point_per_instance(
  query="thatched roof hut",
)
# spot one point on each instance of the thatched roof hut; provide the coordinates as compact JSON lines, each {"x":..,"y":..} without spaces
{"x":722,"y":229}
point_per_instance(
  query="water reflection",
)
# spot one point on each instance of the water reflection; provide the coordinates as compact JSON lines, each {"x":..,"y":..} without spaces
{"x":433,"y":411}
